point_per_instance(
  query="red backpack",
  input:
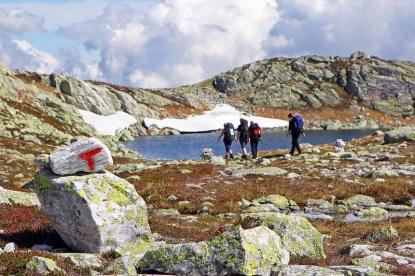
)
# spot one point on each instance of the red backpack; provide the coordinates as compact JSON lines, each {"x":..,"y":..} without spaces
{"x":255,"y":132}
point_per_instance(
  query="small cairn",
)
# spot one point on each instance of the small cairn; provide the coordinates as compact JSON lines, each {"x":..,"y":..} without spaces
{"x":207,"y":154}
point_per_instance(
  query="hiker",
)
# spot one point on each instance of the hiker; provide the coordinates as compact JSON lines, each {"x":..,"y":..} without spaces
{"x":228,"y":133}
{"x":243,"y":136}
{"x":295,"y":129}
{"x":255,"y":134}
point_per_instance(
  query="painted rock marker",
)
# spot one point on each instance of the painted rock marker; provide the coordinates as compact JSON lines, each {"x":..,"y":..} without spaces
{"x":89,"y":155}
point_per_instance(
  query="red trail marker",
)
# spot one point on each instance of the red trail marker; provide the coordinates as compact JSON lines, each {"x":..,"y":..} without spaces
{"x":89,"y":157}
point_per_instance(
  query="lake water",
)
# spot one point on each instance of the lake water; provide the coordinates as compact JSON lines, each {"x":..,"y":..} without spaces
{"x":189,"y":146}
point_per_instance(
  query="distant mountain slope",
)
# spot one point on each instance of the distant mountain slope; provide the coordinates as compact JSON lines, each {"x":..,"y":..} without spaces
{"x":331,"y":92}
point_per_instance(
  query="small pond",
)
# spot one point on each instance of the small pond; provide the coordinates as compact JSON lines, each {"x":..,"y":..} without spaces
{"x":189,"y":146}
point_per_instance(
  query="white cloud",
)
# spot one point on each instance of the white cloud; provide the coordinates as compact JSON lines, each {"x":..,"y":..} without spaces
{"x":19,"y":21}
{"x":340,"y":27}
{"x":139,"y":78}
{"x":278,"y":42}
{"x":177,"y":41}
{"x":31,"y":58}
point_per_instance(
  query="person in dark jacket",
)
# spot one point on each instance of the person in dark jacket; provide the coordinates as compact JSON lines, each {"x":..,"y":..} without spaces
{"x":228,"y":134}
{"x":295,"y":134}
{"x":243,"y":136}
{"x":255,"y":133}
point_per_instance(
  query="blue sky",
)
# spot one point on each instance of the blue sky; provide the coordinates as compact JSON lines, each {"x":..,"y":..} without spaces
{"x":164,"y":43}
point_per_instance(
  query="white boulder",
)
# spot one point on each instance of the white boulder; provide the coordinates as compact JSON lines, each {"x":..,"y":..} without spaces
{"x":93,"y":213}
{"x":88,"y":155}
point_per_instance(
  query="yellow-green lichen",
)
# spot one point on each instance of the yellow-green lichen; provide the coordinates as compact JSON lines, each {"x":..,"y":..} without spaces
{"x":96,"y":199}
{"x":119,"y":198}
{"x":82,"y":193}
{"x":43,"y":182}
{"x":130,"y":215}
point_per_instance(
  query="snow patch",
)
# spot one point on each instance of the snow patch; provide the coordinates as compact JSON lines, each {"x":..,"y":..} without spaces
{"x":108,"y":125}
{"x":213,"y":120}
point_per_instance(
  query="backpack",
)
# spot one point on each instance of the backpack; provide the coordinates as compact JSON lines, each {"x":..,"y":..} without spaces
{"x":298,"y":123}
{"x":255,"y":131}
{"x":229,"y":131}
{"x":244,"y":131}
{"x":245,"y":127}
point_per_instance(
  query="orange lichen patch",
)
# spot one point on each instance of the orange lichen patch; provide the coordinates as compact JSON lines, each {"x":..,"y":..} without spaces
{"x":113,"y":86}
{"x":27,"y":226}
{"x":156,"y":185}
{"x":182,"y":111}
{"x":37,"y":81}
{"x":13,"y":166}
{"x":15,"y":264}
{"x":178,"y":229}
{"x":342,"y":235}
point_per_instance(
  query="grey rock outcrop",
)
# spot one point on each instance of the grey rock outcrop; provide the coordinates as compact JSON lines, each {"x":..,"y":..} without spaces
{"x":400,"y":135}
{"x":247,"y":252}
{"x":93,"y":213}
{"x":298,"y":235}
{"x":87,"y":155}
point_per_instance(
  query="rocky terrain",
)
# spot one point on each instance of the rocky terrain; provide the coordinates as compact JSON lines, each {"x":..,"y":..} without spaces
{"x":323,"y":212}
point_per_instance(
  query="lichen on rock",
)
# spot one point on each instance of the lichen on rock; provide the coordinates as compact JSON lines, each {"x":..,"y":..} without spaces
{"x":78,"y":205}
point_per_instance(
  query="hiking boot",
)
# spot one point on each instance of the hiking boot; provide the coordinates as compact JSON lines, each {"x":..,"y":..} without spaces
{"x":232,"y":156}
{"x":244,"y":157}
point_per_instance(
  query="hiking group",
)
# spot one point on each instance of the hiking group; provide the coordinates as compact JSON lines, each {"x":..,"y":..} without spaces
{"x":252,"y":134}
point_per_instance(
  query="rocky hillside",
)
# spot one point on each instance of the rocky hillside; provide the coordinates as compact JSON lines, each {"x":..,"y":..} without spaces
{"x":330,"y":92}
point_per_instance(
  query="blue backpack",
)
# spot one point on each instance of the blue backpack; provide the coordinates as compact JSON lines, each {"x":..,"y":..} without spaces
{"x":298,"y":123}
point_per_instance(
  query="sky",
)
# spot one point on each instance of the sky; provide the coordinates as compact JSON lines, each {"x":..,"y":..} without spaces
{"x":168,"y":43}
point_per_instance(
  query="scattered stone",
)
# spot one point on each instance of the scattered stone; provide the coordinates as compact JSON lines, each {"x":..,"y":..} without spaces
{"x":83,"y":259}
{"x":361,"y":200}
{"x":384,"y":233}
{"x":265,"y":162}
{"x":269,"y":171}
{"x":43,"y":266}
{"x":19,"y":176}
{"x":42,"y":247}
{"x":42,"y":160}
{"x":218,"y":161}
{"x":207,"y":154}
{"x":166,"y":213}
{"x":93,"y":213}
{"x":172,"y":198}
{"x":14,"y":197}
{"x":185,"y":171}
{"x":372,"y":212}
{"x":248,"y":252}
{"x":133,"y":178}
{"x":89,"y":155}
{"x":10,"y":247}
{"x":293,"y":175}
{"x":128,"y":168}
{"x":307,"y":270}
{"x":297,"y":233}
{"x":400,"y":135}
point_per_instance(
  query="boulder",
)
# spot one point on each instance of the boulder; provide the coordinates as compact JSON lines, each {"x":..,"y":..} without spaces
{"x":298,"y":235}
{"x":83,"y":260}
{"x":42,"y":266}
{"x":93,"y":213}
{"x":384,"y":233}
{"x":293,"y":270}
{"x":88,"y":155}
{"x":400,"y":135}
{"x":248,"y":252}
